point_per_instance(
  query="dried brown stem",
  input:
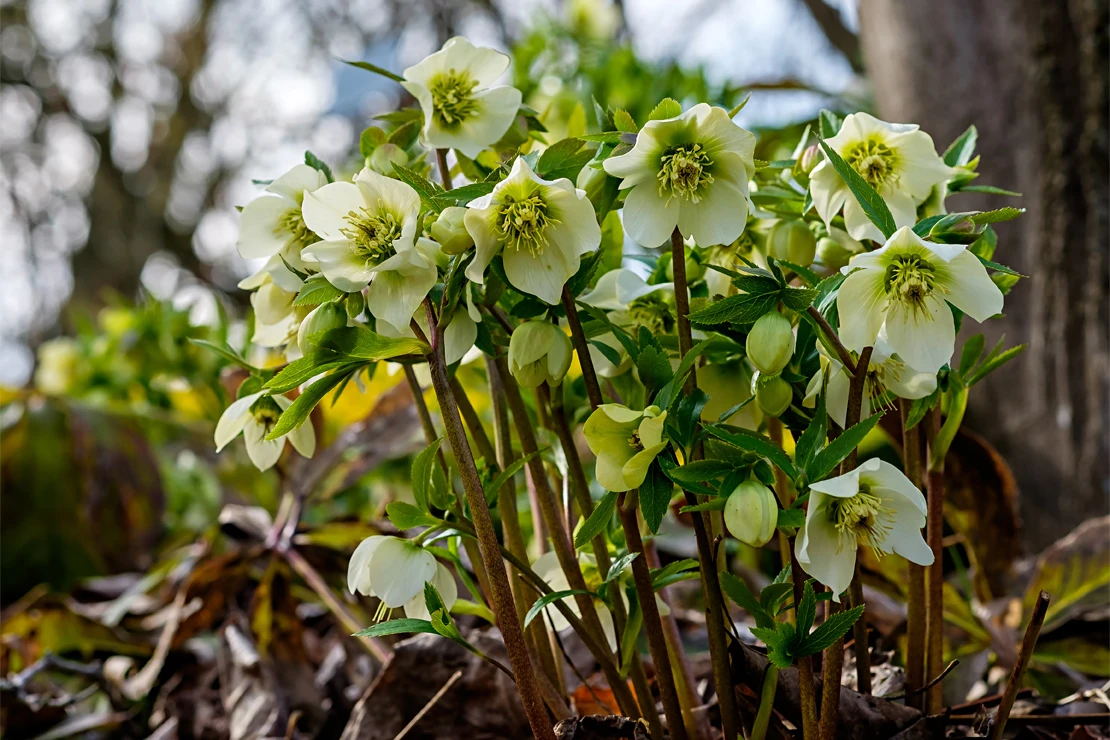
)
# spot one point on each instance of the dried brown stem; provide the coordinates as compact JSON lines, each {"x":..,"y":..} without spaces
{"x":1025,"y":653}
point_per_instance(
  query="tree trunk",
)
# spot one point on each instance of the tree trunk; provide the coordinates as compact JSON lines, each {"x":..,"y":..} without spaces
{"x":1032,"y":76}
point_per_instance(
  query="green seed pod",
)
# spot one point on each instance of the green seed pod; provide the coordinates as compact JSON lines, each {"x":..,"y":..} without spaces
{"x":385,"y":156}
{"x":832,"y":253}
{"x":321,"y":319}
{"x":772,"y":393}
{"x":771,"y":343}
{"x":539,"y":352}
{"x":751,"y":513}
{"x":791,"y":240}
{"x":450,"y":231}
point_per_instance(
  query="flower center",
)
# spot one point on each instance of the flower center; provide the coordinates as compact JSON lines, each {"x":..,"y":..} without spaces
{"x":862,"y":519}
{"x":453,"y":97}
{"x":372,"y":235}
{"x":684,"y":171}
{"x":266,"y":412}
{"x":292,"y":224}
{"x":634,"y":441}
{"x":910,"y":279}
{"x":873,"y":160}
{"x":523,"y":222}
{"x":651,"y":312}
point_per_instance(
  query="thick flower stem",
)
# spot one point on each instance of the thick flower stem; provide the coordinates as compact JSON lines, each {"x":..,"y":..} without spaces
{"x":444,"y":169}
{"x":715,"y":610}
{"x":580,"y":488}
{"x":934,"y":600}
{"x":489,"y":548}
{"x":627,"y":504}
{"x":915,"y":601}
{"x":841,"y":351}
{"x":833,"y":661}
{"x":560,"y":539}
{"x":582,"y":347}
{"x":766,"y":702}
{"x":807,"y":688}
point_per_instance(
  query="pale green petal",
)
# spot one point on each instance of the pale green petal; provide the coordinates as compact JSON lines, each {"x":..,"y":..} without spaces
{"x":649,"y":218}
{"x":264,"y":453}
{"x":296,"y":181}
{"x":479,"y":224}
{"x":718,"y":218}
{"x":828,"y":191}
{"x":233,"y":419}
{"x":325,"y":210}
{"x":842,"y":486}
{"x":259,"y":233}
{"x":399,"y":570}
{"x":819,"y":553}
{"x":303,"y":439}
{"x":635,"y":470}
{"x":861,"y":304}
{"x":394,"y":297}
{"x":926,"y":339}
{"x":542,"y":275}
{"x":651,"y":429}
{"x":970,"y":288}
{"x":448,"y":590}
{"x":358,"y":569}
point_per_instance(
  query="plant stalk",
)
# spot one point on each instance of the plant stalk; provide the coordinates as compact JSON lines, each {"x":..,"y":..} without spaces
{"x":766,"y":702}
{"x":444,"y":168}
{"x":489,"y":548}
{"x":1025,"y":653}
{"x":934,"y":536}
{"x":915,"y":599}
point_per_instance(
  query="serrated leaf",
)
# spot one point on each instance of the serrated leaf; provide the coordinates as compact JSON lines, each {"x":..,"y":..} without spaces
{"x":564,"y":158}
{"x":404,"y":136}
{"x":743,"y":308}
{"x":828,"y":124}
{"x":810,"y":277}
{"x":426,"y":189}
{"x":872,"y":203}
{"x":318,"y":164}
{"x":317,"y":290}
{"x":654,"y":367}
{"x":406,"y":516}
{"x":773,"y":594}
{"x":760,"y":445}
{"x":739,"y":592}
{"x":605,"y":137}
{"x":807,"y":609}
{"x":972,"y":351}
{"x":655,"y":496}
{"x":698,"y":471}
{"x":827,"y":459}
{"x":624,"y":122}
{"x":798,"y":299}
{"x":813,"y":436}
{"x":687,"y":414}
{"x":360,"y":343}
{"x":397,"y":627}
{"x":422,"y":473}
{"x":778,"y":643}
{"x":303,"y":404}
{"x":714,"y":504}
{"x":1000,"y":268}
{"x":960,"y":151}
{"x":304,"y":369}
{"x":999,"y":214}
{"x":667,"y":108}
{"x":547,"y":599}
{"x":831,"y":630}
{"x":597,"y":521}
{"x":463,"y":194}
{"x":375,"y":69}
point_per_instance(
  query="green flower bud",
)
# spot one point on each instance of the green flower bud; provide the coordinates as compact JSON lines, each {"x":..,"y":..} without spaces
{"x":790,"y":239}
{"x":323,"y":318}
{"x":694,"y":269}
{"x":809,"y":159}
{"x":772,"y":393}
{"x":752,"y":514}
{"x":832,"y":253}
{"x":450,"y":231}
{"x":385,"y":156}
{"x":771,"y":343}
{"x":593,"y":181}
{"x":539,"y":352}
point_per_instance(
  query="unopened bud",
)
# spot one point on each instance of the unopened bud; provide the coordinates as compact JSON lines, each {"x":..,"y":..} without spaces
{"x":385,"y":156}
{"x":450,"y":231}
{"x":694,"y":269}
{"x":791,"y":240}
{"x":809,"y":159}
{"x":832,"y":253}
{"x":770,"y":343}
{"x":752,"y":514}
{"x":772,"y":393}
{"x":321,"y":319}
{"x":955,"y":228}
{"x":539,"y":352}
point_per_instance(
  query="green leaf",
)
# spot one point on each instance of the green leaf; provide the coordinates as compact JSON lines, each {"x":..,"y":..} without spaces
{"x":463,"y":194}
{"x":740,"y":106}
{"x":828,"y":124}
{"x":655,"y":496}
{"x":813,"y":436}
{"x":714,"y":504}
{"x":624,"y":122}
{"x":360,"y":343}
{"x":654,"y":367}
{"x":795,"y":518}
{"x":318,"y":164}
{"x":564,"y":158}
{"x":871,"y":202}
{"x":304,"y":369}
{"x":611,"y":354}
{"x":831,"y":630}
{"x":370,"y":139}
{"x":405,"y":135}
{"x":397,"y":627}
{"x":798,"y":299}
{"x":691,"y":357}
{"x":698,"y":471}
{"x":827,"y":459}
{"x":673,"y":573}
{"x":224,"y":350}
{"x":597,"y":521}
{"x":422,"y":473}
{"x":426,"y":189}
{"x":619,"y":565}
{"x":807,"y":608}
{"x":507,"y":474}
{"x":993,"y":363}
{"x":920,"y":407}
{"x":773,"y":594}
{"x":960,"y":151}
{"x":630,"y":636}
{"x":988,"y":189}
{"x":743,"y":308}
{"x":375,"y":69}
{"x":550,"y":598}
{"x":605,"y":137}
{"x":809,"y":276}
{"x":1000,"y":214}
{"x":303,"y":404}
{"x":778,"y":640}
{"x":760,"y":445}
{"x":1000,"y":268}
{"x":406,"y":516}
{"x":972,"y":351}
{"x":687,"y":414}
{"x":739,"y":592}
{"x":667,"y":108}
{"x":317,"y":290}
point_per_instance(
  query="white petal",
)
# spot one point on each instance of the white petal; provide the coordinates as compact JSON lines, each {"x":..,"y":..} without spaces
{"x":857,"y":223}
{"x":886,"y":476}
{"x":325,"y":210}
{"x":925,"y":340}
{"x":444,"y":583}
{"x":842,"y":486}
{"x":395,"y":297}
{"x":303,"y":439}
{"x":263,"y":453}
{"x":636,"y":166}
{"x":820,"y":555}
{"x":919,"y":167}
{"x":483,"y":64}
{"x":604,"y":293}
{"x":970,"y":288}
{"x":718,"y":218}
{"x":233,"y":419}
{"x":479,"y":224}
{"x":902,"y":207}
{"x":861,"y":304}
{"x":399,"y":570}
{"x":297,"y":180}
{"x":836,"y":403}
{"x":649,"y":219}
{"x":905,"y":537}
{"x":259,"y":235}
{"x":340,"y":265}
{"x":459,"y":336}
{"x":542,"y":275}
{"x":384,"y":193}
{"x":358,"y":569}
{"x":907,"y":382}
{"x":828,"y":190}
{"x":577,"y":230}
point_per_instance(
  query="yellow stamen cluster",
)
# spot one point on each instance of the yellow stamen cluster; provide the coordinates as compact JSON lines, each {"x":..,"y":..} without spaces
{"x":523,"y":222}
{"x":266,"y":412}
{"x":684,"y":172}
{"x":634,"y":441}
{"x":910,"y":279}
{"x":453,"y":97}
{"x":372,"y":234}
{"x":292,"y":225}
{"x":873,"y":160}
{"x":652,"y":312}
{"x":861,"y":519}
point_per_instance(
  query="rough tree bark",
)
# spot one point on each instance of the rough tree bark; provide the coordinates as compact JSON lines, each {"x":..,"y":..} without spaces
{"x":1032,"y":76}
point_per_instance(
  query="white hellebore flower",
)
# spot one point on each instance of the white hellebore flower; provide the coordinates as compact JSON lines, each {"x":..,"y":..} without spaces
{"x":691,"y":172}
{"x":395,"y":570}
{"x":272,"y":224}
{"x":625,"y":442}
{"x":885,"y":372}
{"x":903,"y":291}
{"x":541,"y":228}
{"x":461,"y":110}
{"x":897,"y":159}
{"x":368,"y":229}
{"x":254,"y":416}
{"x":874,"y":505}
{"x":630,"y":302}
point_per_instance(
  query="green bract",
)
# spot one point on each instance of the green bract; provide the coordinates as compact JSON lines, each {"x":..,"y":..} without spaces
{"x":625,"y":442}
{"x":450,"y":232}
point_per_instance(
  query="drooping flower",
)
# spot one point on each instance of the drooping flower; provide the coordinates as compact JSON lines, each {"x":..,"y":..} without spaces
{"x":874,"y":505}
{"x":254,"y":416}
{"x":461,"y":110}
{"x":368,"y":229}
{"x":273,"y":224}
{"x":539,"y":352}
{"x":899,"y":160}
{"x":541,"y":228}
{"x":692,"y":172}
{"x":885,"y":373}
{"x":751,"y":513}
{"x":395,"y":570}
{"x":903,"y":290}
{"x":625,"y":442}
